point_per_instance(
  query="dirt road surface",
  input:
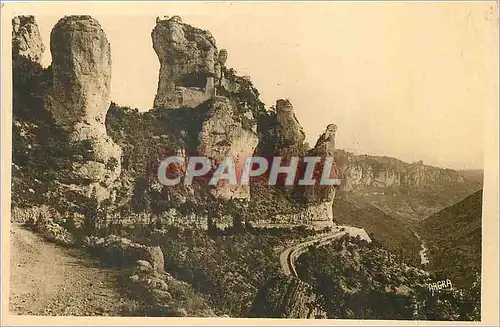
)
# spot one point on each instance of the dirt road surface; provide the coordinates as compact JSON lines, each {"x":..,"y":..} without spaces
{"x":47,"y":279}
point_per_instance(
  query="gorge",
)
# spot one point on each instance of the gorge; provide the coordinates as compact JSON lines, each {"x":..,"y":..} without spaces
{"x":85,"y":174}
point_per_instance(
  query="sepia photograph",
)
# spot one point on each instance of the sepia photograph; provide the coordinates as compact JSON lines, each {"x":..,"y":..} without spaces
{"x":286,"y":160}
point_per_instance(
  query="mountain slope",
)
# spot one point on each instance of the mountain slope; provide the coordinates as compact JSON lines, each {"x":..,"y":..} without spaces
{"x":392,"y":232}
{"x":453,"y":236}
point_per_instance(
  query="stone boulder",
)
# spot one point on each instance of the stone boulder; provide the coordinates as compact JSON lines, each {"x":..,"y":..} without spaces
{"x":227,"y":132}
{"x":121,"y":251}
{"x":189,"y":64}
{"x":161,"y":293}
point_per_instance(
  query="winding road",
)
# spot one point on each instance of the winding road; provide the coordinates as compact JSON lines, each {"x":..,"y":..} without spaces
{"x":288,"y":256}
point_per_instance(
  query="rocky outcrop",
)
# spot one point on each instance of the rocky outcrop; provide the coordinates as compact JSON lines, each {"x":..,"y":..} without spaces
{"x":320,"y":197}
{"x":289,"y":134}
{"x":226,"y":132}
{"x":162,"y":294}
{"x":190,"y":65}
{"x":46,"y":221}
{"x":143,"y":277}
{"x":326,"y":142}
{"x":26,"y":40}
{"x":52,"y":231}
{"x":81,"y":65}
{"x":121,"y":251}
{"x":29,"y":79}
{"x":285,"y":297}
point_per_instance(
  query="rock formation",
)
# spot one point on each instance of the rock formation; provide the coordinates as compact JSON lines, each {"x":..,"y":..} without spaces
{"x":190,"y":64}
{"x":26,"y":40}
{"x":81,"y":65}
{"x":319,"y":198}
{"x":286,"y":297}
{"x":122,"y":251}
{"x":28,"y":77}
{"x":289,"y":134}
{"x":227,"y":133}
{"x":324,"y":148}
{"x":359,"y":171}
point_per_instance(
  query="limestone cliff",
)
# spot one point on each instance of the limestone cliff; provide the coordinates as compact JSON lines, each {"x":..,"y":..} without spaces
{"x":77,"y":92}
{"x":410,"y":190}
{"x":81,"y":65}
{"x":361,"y":171}
{"x":189,"y":64}
{"x":385,"y":172}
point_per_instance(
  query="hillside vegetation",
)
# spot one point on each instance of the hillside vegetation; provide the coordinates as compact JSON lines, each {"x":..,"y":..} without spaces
{"x":356,"y":279}
{"x":453,"y":237}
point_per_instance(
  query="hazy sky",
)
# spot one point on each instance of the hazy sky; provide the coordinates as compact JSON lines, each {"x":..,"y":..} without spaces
{"x":408,"y":80}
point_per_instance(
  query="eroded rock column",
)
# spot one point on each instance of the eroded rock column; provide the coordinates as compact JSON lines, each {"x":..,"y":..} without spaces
{"x":320,"y":197}
{"x":289,"y":134}
{"x":26,"y":40}
{"x":81,"y":65}
{"x":188,"y":64}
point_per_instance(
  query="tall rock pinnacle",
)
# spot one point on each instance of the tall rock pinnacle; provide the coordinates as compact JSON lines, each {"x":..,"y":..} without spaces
{"x":320,"y":197}
{"x":81,"y":65}
{"x":26,"y":40}
{"x":289,"y":134}
{"x":28,"y":76}
{"x":189,"y":64}
{"x":326,"y":142}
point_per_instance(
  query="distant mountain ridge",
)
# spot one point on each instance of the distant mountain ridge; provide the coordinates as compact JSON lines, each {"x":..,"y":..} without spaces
{"x":410,"y":190}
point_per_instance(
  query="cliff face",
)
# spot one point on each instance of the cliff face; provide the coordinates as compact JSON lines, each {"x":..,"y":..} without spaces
{"x":320,"y":198}
{"x":384,"y":172}
{"x":28,"y":77}
{"x":81,"y":64}
{"x":409,"y":190}
{"x":324,"y":148}
{"x":71,"y":140}
{"x":63,"y":160}
{"x":189,"y":64}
